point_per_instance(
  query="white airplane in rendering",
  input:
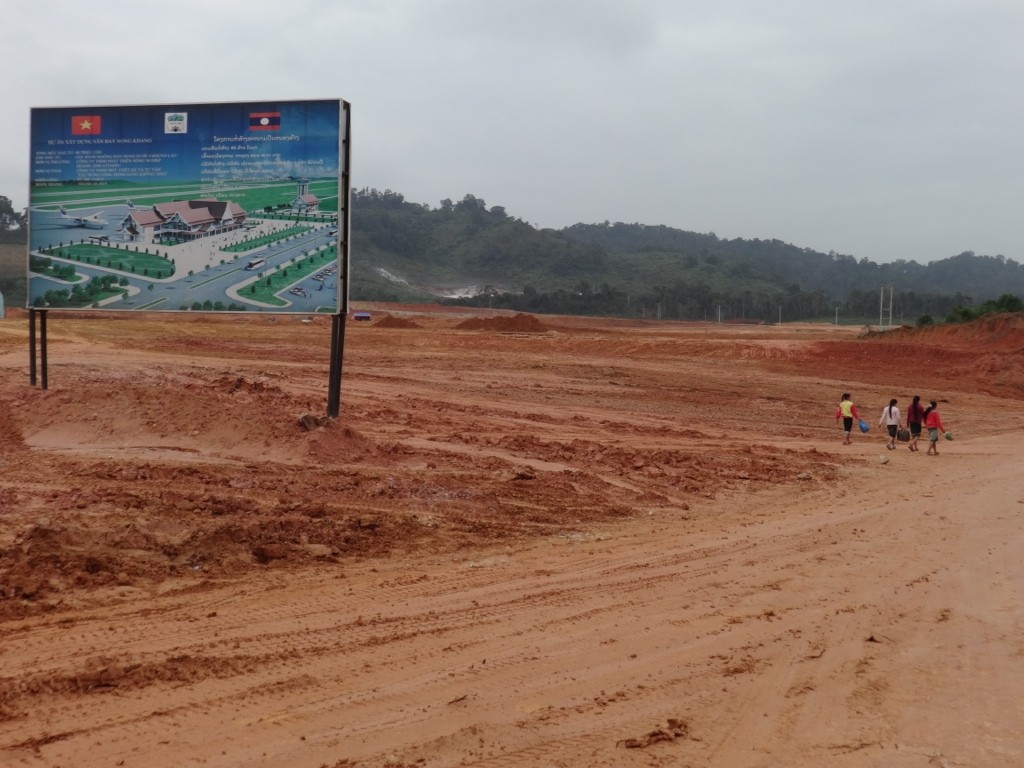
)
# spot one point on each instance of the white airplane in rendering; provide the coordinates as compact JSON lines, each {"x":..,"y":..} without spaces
{"x":92,"y":221}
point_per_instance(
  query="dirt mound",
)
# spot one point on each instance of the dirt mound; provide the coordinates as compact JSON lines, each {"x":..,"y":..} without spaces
{"x":519,"y":323}
{"x":985,"y":355}
{"x":390,"y":321}
{"x":1002,"y":333}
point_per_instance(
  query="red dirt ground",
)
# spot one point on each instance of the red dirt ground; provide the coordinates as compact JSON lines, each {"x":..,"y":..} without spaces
{"x":525,"y":541}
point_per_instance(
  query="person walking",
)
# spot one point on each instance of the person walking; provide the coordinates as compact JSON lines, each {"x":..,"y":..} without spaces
{"x":847,"y":411}
{"x":933,"y":423}
{"x":891,"y":421}
{"x":915,"y":417}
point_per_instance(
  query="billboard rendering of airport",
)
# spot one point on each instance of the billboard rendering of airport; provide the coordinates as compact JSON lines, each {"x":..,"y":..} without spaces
{"x":236,"y":207}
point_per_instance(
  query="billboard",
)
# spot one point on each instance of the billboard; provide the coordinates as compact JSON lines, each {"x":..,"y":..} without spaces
{"x":236,"y":207}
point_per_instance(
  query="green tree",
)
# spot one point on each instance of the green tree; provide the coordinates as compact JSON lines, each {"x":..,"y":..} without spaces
{"x":1009,"y":303}
{"x":13,"y":224}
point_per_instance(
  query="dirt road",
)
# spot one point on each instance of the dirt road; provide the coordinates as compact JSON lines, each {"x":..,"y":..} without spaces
{"x":583,"y":546}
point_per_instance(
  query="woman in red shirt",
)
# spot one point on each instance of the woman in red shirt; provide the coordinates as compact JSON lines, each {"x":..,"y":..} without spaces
{"x":933,"y":423}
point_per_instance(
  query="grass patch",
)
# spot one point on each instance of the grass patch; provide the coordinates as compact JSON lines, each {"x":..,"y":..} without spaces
{"x":138,"y":263}
{"x":259,"y":242}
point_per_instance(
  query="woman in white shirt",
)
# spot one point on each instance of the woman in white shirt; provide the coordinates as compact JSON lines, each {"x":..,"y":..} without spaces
{"x":891,"y":420}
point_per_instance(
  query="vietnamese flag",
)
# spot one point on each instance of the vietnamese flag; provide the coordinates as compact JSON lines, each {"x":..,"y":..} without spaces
{"x":85,"y":125}
{"x":264,"y":121}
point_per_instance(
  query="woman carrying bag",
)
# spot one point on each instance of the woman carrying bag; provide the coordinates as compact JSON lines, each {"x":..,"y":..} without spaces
{"x":891,"y":421}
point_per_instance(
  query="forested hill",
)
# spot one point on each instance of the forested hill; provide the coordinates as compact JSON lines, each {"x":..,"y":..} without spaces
{"x":977,"y":277}
{"x":403,"y":250}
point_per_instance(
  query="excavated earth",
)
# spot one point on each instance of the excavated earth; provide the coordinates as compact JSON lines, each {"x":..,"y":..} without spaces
{"x":525,"y":541}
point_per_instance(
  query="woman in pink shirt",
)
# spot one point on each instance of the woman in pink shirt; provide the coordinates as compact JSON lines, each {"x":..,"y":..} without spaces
{"x":933,"y":423}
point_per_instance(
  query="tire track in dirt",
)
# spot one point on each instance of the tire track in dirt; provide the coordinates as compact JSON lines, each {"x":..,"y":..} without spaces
{"x":568,"y":596}
{"x":399,"y":695}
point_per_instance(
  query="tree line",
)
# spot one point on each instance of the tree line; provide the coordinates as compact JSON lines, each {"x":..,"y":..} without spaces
{"x":697,"y":301}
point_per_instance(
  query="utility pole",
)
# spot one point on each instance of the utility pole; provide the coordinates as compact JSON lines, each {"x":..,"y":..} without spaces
{"x":885,"y":311}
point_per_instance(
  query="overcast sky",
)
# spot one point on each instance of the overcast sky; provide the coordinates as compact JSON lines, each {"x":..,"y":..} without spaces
{"x":885,"y":130}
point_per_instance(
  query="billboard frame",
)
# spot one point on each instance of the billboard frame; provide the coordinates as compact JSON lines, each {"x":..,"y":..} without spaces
{"x":72,"y":145}
{"x":129,"y":212}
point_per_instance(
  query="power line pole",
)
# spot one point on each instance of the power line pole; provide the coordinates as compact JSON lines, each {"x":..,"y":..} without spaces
{"x":885,"y":311}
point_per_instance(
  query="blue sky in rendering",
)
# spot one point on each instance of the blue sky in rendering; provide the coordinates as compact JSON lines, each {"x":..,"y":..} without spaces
{"x":185,"y":142}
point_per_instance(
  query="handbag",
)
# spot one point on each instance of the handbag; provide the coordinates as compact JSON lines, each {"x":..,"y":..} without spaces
{"x":903,"y":435}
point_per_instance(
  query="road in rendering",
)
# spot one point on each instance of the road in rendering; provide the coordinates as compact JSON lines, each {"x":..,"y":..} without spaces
{"x":210,"y":280}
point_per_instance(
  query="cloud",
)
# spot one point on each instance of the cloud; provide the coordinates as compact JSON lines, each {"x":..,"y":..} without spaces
{"x":885,"y":130}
